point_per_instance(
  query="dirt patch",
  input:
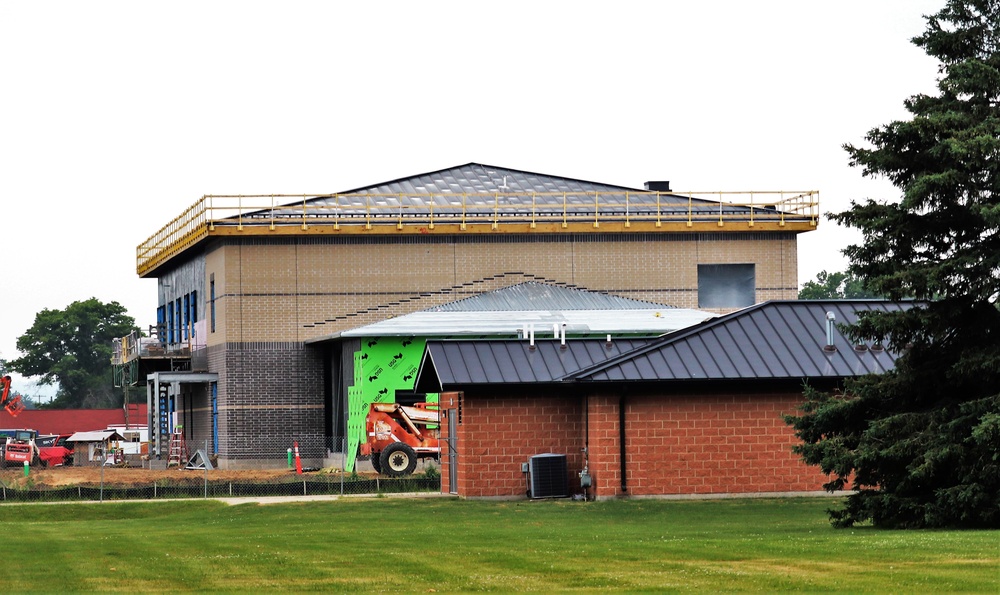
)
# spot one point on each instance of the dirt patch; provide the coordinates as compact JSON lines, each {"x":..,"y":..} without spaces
{"x":67,"y":476}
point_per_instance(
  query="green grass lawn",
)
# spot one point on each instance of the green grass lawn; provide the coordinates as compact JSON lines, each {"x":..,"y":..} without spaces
{"x":442,"y":545}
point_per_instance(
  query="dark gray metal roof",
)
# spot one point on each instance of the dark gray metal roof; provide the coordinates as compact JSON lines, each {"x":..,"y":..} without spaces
{"x":532,"y":295}
{"x":451,"y":364}
{"x":778,"y":340}
{"x":446,"y":191}
{"x":479,"y":178}
{"x":772,"y":340}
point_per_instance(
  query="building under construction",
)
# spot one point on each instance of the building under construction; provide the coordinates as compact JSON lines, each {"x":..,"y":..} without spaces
{"x":254,"y":291}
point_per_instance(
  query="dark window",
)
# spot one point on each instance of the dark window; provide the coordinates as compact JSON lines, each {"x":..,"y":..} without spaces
{"x":170,"y":322}
{"x":211,"y":300}
{"x":194,"y":306}
{"x":161,"y":324}
{"x":187,"y":314}
{"x":726,"y":285}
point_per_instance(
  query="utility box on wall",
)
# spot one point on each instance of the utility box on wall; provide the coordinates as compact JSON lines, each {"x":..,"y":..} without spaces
{"x":547,"y":476}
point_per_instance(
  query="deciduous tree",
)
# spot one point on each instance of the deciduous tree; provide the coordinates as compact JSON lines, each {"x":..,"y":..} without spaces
{"x":921,"y":445}
{"x":835,"y":286}
{"x":72,"y":347}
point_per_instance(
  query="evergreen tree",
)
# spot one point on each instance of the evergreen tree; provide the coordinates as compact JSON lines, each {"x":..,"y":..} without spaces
{"x":921,"y":444}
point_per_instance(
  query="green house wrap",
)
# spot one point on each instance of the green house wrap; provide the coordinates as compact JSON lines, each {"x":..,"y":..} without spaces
{"x":383,"y":366}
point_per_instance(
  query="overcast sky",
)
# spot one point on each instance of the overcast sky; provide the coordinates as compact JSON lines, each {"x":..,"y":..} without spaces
{"x":116,"y":116}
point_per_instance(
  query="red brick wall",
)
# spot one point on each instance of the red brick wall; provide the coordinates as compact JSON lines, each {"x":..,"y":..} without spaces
{"x":675,"y":444}
{"x":497,"y":434}
{"x":699,"y":444}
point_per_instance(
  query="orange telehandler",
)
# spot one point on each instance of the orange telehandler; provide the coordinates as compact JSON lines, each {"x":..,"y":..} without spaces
{"x":398,"y":435}
{"x":13,"y":405}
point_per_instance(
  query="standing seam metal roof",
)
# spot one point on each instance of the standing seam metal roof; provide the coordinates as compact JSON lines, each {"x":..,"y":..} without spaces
{"x":772,"y":340}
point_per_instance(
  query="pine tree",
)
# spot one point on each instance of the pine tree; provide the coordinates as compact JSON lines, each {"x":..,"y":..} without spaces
{"x":921,"y":444}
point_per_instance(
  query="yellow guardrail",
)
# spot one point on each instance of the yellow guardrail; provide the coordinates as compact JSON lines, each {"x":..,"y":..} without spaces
{"x":359,"y":213}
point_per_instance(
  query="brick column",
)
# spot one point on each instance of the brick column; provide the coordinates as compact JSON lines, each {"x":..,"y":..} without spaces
{"x":604,"y":446}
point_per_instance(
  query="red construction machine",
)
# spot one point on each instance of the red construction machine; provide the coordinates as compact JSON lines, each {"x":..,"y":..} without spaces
{"x":18,"y":445}
{"x":398,"y":435}
{"x":13,"y":405}
{"x":53,"y":450}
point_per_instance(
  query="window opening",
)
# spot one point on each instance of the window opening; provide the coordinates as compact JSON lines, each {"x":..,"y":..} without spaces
{"x":726,"y":285}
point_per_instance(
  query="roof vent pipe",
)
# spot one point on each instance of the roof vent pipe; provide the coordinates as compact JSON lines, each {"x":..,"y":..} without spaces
{"x":830,"y":319}
{"x":562,"y":337}
{"x":608,"y":343}
{"x":531,"y":337}
{"x":555,"y":330}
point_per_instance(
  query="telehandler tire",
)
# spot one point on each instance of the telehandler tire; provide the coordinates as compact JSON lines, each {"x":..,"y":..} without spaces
{"x":398,"y":459}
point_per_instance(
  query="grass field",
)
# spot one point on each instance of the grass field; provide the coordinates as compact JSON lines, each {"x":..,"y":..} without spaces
{"x":444,"y":545}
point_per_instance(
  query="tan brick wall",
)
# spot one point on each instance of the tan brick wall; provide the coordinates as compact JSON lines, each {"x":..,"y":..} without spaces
{"x":292,"y":290}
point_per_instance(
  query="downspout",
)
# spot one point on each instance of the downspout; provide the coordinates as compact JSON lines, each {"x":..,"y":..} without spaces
{"x":621,"y":441}
{"x":215,"y":418}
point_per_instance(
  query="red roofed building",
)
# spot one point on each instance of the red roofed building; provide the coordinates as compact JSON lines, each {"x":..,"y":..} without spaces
{"x":68,"y":421}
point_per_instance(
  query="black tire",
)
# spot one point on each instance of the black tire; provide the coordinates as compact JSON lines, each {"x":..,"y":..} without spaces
{"x":398,"y":459}
{"x":377,"y":462}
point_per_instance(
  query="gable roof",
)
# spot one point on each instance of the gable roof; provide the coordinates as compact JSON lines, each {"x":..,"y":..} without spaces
{"x":475,"y":177}
{"x":532,"y":295}
{"x":450,"y":191}
{"x":511,"y":310}
{"x":454,"y":364}
{"x":95,"y":436}
{"x":772,"y":340}
{"x":778,"y":340}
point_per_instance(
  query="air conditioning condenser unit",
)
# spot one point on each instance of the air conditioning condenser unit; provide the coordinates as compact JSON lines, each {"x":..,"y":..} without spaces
{"x":547,"y":477}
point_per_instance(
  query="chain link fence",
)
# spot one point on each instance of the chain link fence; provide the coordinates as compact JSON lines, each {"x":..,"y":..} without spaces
{"x":201,"y":480}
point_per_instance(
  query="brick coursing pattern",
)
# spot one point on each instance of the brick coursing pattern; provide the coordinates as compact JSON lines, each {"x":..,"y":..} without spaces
{"x":269,"y":395}
{"x":675,"y":444}
{"x":497,"y":435}
{"x":283,"y":290}
{"x":273,"y":294}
